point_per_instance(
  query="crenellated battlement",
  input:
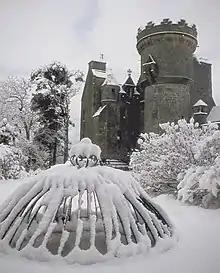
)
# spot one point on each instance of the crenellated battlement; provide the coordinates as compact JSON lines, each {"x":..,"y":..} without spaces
{"x":167,"y":26}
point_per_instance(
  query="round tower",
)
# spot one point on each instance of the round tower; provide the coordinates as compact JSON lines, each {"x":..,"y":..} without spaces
{"x":166,"y":70}
{"x":109,"y":89}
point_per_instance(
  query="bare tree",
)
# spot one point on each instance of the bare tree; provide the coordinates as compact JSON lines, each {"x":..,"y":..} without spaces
{"x":15,"y":98}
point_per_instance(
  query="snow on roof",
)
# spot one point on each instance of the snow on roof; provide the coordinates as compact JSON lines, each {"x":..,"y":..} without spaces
{"x":136,"y":92}
{"x":122,"y":91}
{"x":99,"y":73}
{"x":98,"y":112}
{"x":200,"y":103}
{"x":214,"y":114}
{"x":203,"y":60}
{"x":110,"y":80}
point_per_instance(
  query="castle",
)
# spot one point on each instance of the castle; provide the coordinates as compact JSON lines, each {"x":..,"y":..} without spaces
{"x":172,"y":81}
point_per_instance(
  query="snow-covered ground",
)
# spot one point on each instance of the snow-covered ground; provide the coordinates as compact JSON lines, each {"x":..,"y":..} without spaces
{"x":197,"y":251}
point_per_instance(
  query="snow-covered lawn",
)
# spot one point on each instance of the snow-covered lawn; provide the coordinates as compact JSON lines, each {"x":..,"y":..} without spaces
{"x":198,"y":249}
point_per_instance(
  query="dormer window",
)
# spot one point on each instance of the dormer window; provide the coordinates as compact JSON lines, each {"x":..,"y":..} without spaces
{"x":150,"y":68}
{"x":200,"y":107}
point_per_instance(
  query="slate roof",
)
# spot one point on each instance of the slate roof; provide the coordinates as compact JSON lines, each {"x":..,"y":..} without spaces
{"x":214,"y":115}
{"x":129,"y":81}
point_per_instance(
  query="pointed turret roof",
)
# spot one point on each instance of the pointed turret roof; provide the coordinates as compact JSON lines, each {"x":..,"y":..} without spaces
{"x":200,"y":103}
{"x":129,"y":81}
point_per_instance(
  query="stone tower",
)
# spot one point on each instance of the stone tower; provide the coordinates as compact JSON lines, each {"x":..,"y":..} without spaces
{"x":167,"y":71}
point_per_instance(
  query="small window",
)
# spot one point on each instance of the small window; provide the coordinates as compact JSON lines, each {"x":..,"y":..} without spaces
{"x":83,"y":115}
{"x":203,"y":109}
{"x":155,"y":114}
{"x":113,"y":90}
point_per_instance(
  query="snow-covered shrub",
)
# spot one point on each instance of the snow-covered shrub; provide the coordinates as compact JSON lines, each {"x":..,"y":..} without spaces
{"x":11,"y":157}
{"x":163,"y":160}
{"x":201,"y":183}
{"x":24,"y":174}
{"x":7,"y":133}
{"x":10,"y":162}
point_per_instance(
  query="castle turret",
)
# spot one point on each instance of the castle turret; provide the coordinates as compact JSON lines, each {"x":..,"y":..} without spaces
{"x":166,"y":70}
{"x":122,"y":95}
{"x":200,"y":112}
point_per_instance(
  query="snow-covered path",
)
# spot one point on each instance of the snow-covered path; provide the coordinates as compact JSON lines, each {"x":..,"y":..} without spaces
{"x":197,"y":251}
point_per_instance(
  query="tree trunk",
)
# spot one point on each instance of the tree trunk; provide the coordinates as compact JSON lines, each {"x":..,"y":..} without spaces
{"x":28,"y":166}
{"x":66,"y":140}
{"x":50,"y":157}
{"x":54,"y":152}
{"x":27,"y":131}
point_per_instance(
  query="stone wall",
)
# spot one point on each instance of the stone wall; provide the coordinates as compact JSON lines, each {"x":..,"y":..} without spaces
{"x":165,"y":102}
{"x":91,"y":101}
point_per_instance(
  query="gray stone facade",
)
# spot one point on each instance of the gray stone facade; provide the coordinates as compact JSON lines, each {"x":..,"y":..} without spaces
{"x":165,"y":102}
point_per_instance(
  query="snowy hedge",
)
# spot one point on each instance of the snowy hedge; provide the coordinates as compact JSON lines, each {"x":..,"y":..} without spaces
{"x":10,"y":162}
{"x":184,"y":160}
{"x":11,"y":157}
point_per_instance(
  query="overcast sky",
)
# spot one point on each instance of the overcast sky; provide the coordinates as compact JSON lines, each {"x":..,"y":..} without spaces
{"x":37,"y":32}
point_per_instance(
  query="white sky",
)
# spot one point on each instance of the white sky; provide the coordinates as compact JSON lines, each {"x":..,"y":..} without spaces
{"x":37,"y":32}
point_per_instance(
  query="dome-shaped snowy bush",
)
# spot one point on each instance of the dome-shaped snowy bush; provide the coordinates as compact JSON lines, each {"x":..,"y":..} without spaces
{"x":82,"y":215}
